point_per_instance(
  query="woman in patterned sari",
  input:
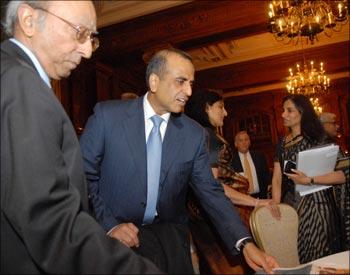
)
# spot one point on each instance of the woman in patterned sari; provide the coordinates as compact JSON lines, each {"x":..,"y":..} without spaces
{"x":207,"y":108}
{"x":318,"y":219}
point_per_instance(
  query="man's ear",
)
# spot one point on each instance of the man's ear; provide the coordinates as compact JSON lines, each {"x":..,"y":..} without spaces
{"x":207,"y":106}
{"x":26,"y":17}
{"x":153,"y":82}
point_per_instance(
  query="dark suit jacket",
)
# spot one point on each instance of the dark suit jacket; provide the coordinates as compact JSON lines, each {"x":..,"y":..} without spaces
{"x":45,"y":227}
{"x":262,"y":170}
{"x":114,"y":151}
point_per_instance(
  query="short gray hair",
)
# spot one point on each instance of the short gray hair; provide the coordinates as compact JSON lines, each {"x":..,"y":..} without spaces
{"x":11,"y":17}
{"x":327,"y":117}
{"x":158,"y":62}
{"x":241,"y":133}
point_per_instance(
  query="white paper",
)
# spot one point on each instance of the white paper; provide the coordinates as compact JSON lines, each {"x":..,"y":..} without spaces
{"x":315,"y":162}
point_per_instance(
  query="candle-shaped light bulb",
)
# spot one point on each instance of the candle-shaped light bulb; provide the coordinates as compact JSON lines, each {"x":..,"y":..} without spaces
{"x":298,"y":67}
{"x":312,"y":65}
{"x":270,"y":14}
{"x":328,"y":81}
{"x":280,"y":25}
{"x":290,"y":71}
{"x":329,"y":18}
{"x":340,"y":6}
{"x":317,"y":19}
{"x":272,"y":11}
{"x":321,"y":66}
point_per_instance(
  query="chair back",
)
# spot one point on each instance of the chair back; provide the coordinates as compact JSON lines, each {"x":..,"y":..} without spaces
{"x":278,"y":238}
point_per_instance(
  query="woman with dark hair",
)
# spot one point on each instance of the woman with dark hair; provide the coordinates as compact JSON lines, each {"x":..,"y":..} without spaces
{"x":318,"y":220}
{"x":207,"y":108}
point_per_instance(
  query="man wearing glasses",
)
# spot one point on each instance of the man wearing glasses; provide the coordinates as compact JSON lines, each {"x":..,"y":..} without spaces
{"x":45,"y":227}
{"x":330,"y":125}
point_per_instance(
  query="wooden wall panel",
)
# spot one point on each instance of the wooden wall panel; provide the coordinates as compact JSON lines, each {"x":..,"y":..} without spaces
{"x":112,"y":82}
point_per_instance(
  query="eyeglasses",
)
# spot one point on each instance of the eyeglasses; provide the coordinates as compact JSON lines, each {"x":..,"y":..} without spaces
{"x":82,"y":33}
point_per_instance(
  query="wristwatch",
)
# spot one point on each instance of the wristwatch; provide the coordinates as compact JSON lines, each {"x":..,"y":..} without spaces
{"x":311,"y":181}
{"x":244,"y":242}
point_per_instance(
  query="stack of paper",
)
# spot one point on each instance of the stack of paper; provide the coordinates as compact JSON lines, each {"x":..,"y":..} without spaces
{"x":314,"y":162}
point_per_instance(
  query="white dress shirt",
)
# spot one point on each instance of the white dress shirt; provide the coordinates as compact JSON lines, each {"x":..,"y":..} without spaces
{"x":149,"y":112}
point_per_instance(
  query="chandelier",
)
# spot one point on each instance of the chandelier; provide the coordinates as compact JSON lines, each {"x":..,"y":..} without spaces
{"x":316,"y":105}
{"x":308,"y":81}
{"x":306,"y":18}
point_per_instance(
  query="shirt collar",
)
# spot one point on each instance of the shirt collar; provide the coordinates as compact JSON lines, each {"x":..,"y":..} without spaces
{"x":242,"y":155}
{"x":149,"y":111}
{"x":35,"y":61}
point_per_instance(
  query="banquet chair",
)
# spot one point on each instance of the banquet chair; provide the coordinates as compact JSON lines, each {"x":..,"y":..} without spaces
{"x":278,"y":238}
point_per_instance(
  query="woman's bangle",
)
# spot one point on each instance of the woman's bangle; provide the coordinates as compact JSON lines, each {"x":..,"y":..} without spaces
{"x":256,"y":203}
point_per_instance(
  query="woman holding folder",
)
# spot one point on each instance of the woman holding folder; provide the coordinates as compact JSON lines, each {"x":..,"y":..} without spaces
{"x":318,"y":219}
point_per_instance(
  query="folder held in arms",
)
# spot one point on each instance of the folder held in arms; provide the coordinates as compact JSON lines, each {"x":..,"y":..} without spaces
{"x":314,"y":162}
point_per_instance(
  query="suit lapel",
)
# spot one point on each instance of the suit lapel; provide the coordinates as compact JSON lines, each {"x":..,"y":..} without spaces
{"x":237,"y":160}
{"x":172,"y":144}
{"x":134,"y":129}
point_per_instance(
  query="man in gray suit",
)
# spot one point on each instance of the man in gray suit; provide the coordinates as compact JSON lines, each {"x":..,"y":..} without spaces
{"x":116,"y":164}
{"x":45,"y":226}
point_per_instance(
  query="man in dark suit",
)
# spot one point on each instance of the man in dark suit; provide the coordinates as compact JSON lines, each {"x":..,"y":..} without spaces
{"x":115,"y":152}
{"x":45,"y":226}
{"x":260,"y":174}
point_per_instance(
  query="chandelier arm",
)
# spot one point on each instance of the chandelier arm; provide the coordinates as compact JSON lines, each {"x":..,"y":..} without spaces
{"x":306,"y":18}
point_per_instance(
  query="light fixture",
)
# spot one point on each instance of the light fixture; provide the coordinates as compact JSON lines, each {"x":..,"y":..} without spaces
{"x":295,"y":19}
{"x":315,"y":103}
{"x":308,"y":81}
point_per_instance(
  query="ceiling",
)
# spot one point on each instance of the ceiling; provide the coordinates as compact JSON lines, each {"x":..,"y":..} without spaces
{"x":228,"y":40}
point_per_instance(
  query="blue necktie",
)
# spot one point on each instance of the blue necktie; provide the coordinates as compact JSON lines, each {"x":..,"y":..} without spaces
{"x":154,"y":159}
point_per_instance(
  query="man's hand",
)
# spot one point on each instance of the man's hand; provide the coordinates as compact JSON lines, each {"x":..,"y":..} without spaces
{"x":257,"y":259}
{"x":126,"y":233}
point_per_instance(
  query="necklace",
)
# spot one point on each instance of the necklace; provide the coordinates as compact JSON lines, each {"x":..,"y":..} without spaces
{"x":293,"y":139}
